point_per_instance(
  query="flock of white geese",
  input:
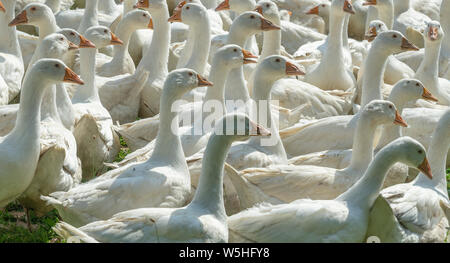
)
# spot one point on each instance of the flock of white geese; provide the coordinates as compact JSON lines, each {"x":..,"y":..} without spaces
{"x":362,"y":90}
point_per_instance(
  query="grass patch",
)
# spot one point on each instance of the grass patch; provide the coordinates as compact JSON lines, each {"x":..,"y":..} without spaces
{"x":13,"y":226}
{"x":124,"y":150}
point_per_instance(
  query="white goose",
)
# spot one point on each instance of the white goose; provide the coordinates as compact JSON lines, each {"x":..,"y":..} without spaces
{"x":428,"y":71}
{"x":202,"y":220}
{"x":416,"y":212}
{"x":285,"y":183}
{"x":97,"y":142}
{"x":121,"y":62}
{"x":344,"y":219}
{"x":161,"y":181}
{"x":58,"y":168}
{"x":316,"y":136}
{"x":20,"y":148}
{"x":407,"y":18}
{"x":334,"y":56}
{"x":11,"y":66}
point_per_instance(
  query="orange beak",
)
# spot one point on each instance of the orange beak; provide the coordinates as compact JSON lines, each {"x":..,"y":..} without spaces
{"x":248,"y":57}
{"x":370,"y":2}
{"x":293,"y":70}
{"x":19,"y":19}
{"x":85,"y":43}
{"x":150,"y":24}
{"x":425,"y":168}
{"x":313,"y":11}
{"x":399,"y":120}
{"x":2,"y":7}
{"x":176,"y":17}
{"x":258,"y":130}
{"x":141,"y":4}
{"x":433,"y":34}
{"x":266,"y":25}
{"x":426,"y":94}
{"x":225,"y":5}
{"x":72,"y":46}
{"x":203,"y":82}
{"x":371,"y":35}
{"x":115,"y":40}
{"x":348,"y":7}
{"x":259,"y":10}
{"x":71,"y":77}
{"x":406,"y":45}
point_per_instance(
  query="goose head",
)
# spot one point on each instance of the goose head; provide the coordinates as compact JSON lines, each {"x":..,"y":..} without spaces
{"x":411,"y":153}
{"x":375,"y":27}
{"x":433,"y":32}
{"x":76,"y":38}
{"x":233,"y":56}
{"x":394,"y":42}
{"x":285,"y":15}
{"x":56,"y":71}
{"x":410,"y":90}
{"x":154,"y":5}
{"x":239,"y":127}
{"x":102,"y":36}
{"x":56,"y":46}
{"x":252,"y":23}
{"x":342,"y":7}
{"x":238,"y":6}
{"x":138,"y":19}
{"x":181,"y":81}
{"x":322,"y":10}
{"x":382,"y":112}
{"x":269,"y":10}
{"x":188,"y":13}
{"x":277,"y":67}
{"x":32,"y":14}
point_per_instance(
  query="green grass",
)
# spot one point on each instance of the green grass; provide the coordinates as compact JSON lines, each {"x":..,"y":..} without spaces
{"x":124,"y":150}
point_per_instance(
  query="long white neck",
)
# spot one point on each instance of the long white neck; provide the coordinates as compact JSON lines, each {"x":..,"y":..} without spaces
{"x":437,"y":155}
{"x":29,"y":114}
{"x":168,"y":144}
{"x":156,"y":59}
{"x":65,"y":108}
{"x":364,"y":192}
{"x":391,"y":131}
{"x":88,"y":92}
{"x":186,"y":52}
{"x":372,"y":14}
{"x":10,"y":42}
{"x":261,"y":95}
{"x":429,"y":68}
{"x":362,"y":153}
{"x":236,"y":88}
{"x":49,"y":108}
{"x":401,"y":6}
{"x":218,"y":75}
{"x":374,"y":66}
{"x":107,"y":6}
{"x":200,"y":51}
{"x":124,"y":31}
{"x":209,"y":192}
{"x":345,"y":31}
{"x":386,"y":14}
{"x":334,"y":53}
{"x":90,"y":16}
{"x":272,"y":41}
{"x":445,"y":23}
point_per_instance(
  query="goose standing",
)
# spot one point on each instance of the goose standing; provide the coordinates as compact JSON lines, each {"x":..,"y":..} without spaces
{"x":202,"y":220}
{"x":161,"y":181}
{"x":428,"y":71}
{"x":344,"y":219}
{"x":97,"y":142}
{"x":11,"y":66}
{"x":417,"y":211}
{"x":332,"y":61}
{"x":20,"y":148}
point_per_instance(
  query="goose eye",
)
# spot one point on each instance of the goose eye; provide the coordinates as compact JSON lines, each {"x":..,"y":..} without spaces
{"x":235,"y":50}
{"x":106,"y":31}
{"x":61,"y":39}
{"x":390,"y":106}
{"x":72,"y":33}
{"x":56,"y":65}
{"x":187,"y":8}
{"x":420,"y":151}
{"x":417,"y":84}
{"x":144,"y":15}
{"x":252,"y":16}
{"x":191,"y":74}
{"x":394,"y":36}
{"x":408,"y":82}
{"x":267,"y":5}
{"x":277,"y":60}
{"x":33,"y":9}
